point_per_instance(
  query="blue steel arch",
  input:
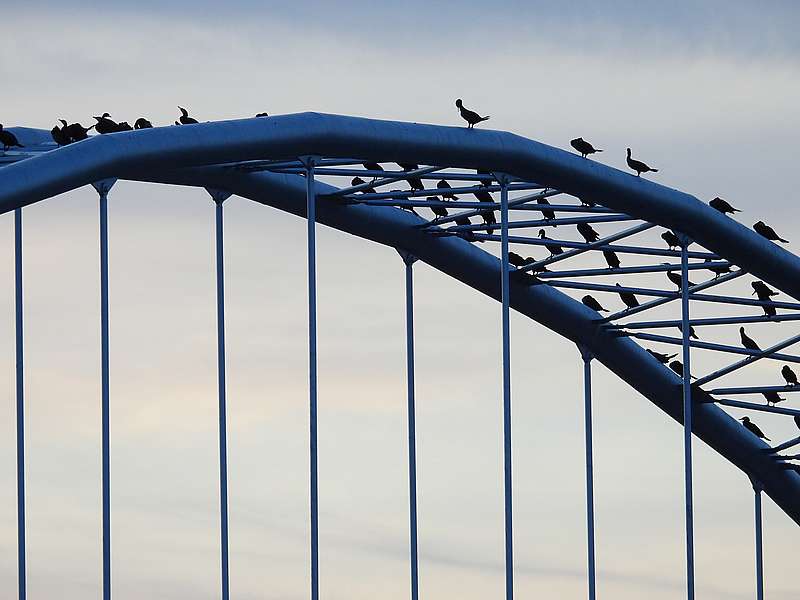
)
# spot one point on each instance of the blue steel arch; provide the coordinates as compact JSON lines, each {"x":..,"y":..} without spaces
{"x":201,"y":156}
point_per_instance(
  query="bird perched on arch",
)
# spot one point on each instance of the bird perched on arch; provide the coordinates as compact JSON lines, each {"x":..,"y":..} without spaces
{"x":662,"y":358}
{"x":548,"y":213}
{"x":584,"y":147}
{"x":753,"y":428}
{"x":105,"y":124}
{"x":60,"y":135}
{"x":692,"y":333}
{"x":789,"y":375}
{"x":678,"y":280}
{"x":588,"y":233}
{"x":78,"y":132}
{"x":748,"y":342}
{"x":639,"y":166}
{"x":628,"y":298}
{"x":439,"y":211}
{"x":185,"y":119}
{"x":9,"y":140}
{"x":768,"y":232}
{"x":443,"y":185}
{"x":358,"y":181}
{"x":718,"y":269}
{"x":470,"y":116}
{"x":612,"y":260}
{"x":672,"y":240}
{"x":142,"y":123}
{"x":552,"y":247}
{"x":722,"y":206}
{"x":124,"y":126}
{"x":772,"y":397}
{"x":517,"y":260}
{"x":592,"y":303}
{"x":763,"y":291}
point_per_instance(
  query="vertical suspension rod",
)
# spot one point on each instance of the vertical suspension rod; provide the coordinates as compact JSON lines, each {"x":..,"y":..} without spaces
{"x":687,"y":418}
{"x":587,"y":412}
{"x":20,"y":390}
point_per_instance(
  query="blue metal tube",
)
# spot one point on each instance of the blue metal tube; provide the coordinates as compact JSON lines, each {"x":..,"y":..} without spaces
{"x":757,"y":487}
{"x":687,"y":421}
{"x":311,"y":207}
{"x":412,"y":439}
{"x":20,"y":388}
{"x":106,"y":433}
{"x":587,"y":419}
{"x":507,"y":448}
{"x":223,"y":425}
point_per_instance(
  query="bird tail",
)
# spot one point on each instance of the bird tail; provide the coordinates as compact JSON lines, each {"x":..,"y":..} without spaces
{"x":486,"y":118}
{"x":783,"y":240}
{"x":598,"y":150}
{"x":654,"y":170}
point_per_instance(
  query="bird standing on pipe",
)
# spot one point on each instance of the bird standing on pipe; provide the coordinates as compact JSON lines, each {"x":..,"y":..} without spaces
{"x":470,"y":116}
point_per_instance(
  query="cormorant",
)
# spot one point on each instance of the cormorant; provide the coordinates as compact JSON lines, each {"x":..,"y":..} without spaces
{"x":443,"y":185}
{"x":639,"y":166}
{"x":718,"y":269}
{"x":9,"y":140}
{"x":262,"y":114}
{"x":488,"y":219}
{"x":753,"y":428}
{"x":482,"y":196}
{"x":611,"y":259}
{"x":124,"y":126}
{"x":471,"y":117}
{"x":692,"y":333}
{"x":769,"y":311}
{"x":592,"y":303}
{"x":488,"y":179}
{"x":60,"y":135}
{"x":467,"y":235}
{"x":772,"y":397}
{"x":789,"y":375}
{"x":768,"y":232}
{"x":672,"y":240}
{"x":553,"y":247}
{"x":628,"y":298}
{"x":677,"y":366}
{"x":747,"y":341}
{"x":185,"y":119}
{"x":722,"y":206}
{"x":584,"y":147}
{"x":142,"y":123}
{"x":677,"y":279}
{"x":105,"y":124}
{"x":763,"y":291}
{"x":414,"y":182}
{"x":517,"y":260}
{"x":358,"y":181}
{"x":439,"y":211}
{"x":662,"y":358}
{"x":588,"y":232}
{"x":372,"y":166}
{"x":78,"y":132}
{"x":547,"y":213}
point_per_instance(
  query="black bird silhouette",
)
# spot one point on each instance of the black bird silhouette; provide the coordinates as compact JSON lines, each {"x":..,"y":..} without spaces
{"x":677,"y":279}
{"x":470,"y":116}
{"x":262,"y":114}
{"x":611,"y":259}
{"x":408,"y":166}
{"x":467,"y":235}
{"x":768,"y":232}
{"x":488,"y":219}
{"x":753,"y":428}
{"x":547,"y":213}
{"x":797,"y":421}
{"x":124,"y":126}
{"x":414,"y":182}
{"x":677,"y":366}
{"x":584,"y":147}
{"x":358,"y":181}
{"x":551,"y":246}
{"x":772,"y":397}
{"x":588,"y":232}
{"x":639,"y":166}
{"x":763,"y":291}
{"x":9,"y":140}
{"x":185,"y":119}
{"x":592,"y":303}
{"x":516,"y":260}
{"x":628,"y":298}
{"x":692,"y":333}
{"x":439,"y":211}
{"x":482,"y":196}
{"x":78,"y":132}
{"x":443,"y":185}
{"x":587,"y":202}
{"x":105,"y":124}
{"x":789,"y":375}
{"x":142,"y":123}
{"x":672,"y":240}
{"x":722,"y":206}
{"x":60,"y":135}
{"x":372,"y":166}
{"x":718,"y":269}
{"x":769,"y":311}
{"x":747,"y":341}
{"x":662,"y":358}
{"x":487,"y":178}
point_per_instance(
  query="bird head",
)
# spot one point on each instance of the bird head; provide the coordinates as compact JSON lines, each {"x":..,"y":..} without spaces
{"x":459,"y":104}
{"x":184,"y":111}
{"x":741,"y":329}
{"x":63,"y":122}
{"x":629,"y":152}
{"x":759,"y":224}
{"x":541,"y":233}
{"x":1,"y":127}
{"x":745,"y":419}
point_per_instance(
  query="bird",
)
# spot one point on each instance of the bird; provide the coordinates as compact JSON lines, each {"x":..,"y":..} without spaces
{"x":372,"y":166}
{"x":768,"y":232}
{"x":467,"y":234}
{"x":443,"y":185}
{"x":718,"y":269}
{"x":611,"y":259}
{"x":593,"y":304}
{"x":439,"y":211}
{"x":588,"y":232}
{"x":488,"y":219}
{"x":60,"y":135}
{"x":78,"y":132}
{"x":677,"y":366}
{"x":638,"y":166}
{"x":185,"y":119}
{"x":470,"y":116}
{"x":124,"y":126}
{"x":747,"y":341}
{"x":482,"y":196}
{"x":769,"y":310}
{"x":628,"y":298}
{"x":797,"y":421}
{"x":547,"y":213}
{"x":662,"y":358}
{"x":722,"y":206}
{"x":142,"y":123}
{"x":772,"y":397}
{"x":486,"y":178}
{"x":9,"y":140}
{"x":789,"y":375}
{"x":414,"y":182}
{"x":692,"y":333}
{"x":584,"y":147}
{"x":105,"y":124}
{"x":763,"y":291}
{"x":551,"y":246}
{"x":586,"y":202}
{"x":678,"y":280}
{"x":672,"y":240}
{"x":753,"y":428}
{"x":408,"y":166}
{"x":358,"y":181}
{"x":262,"y":114}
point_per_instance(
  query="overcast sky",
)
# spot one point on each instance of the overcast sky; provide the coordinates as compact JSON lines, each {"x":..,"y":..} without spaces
{"x":708,"y":92}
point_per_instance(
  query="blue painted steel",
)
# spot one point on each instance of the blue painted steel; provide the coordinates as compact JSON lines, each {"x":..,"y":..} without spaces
{"x":687,"y":419}
{"x":507,"y":448}
{"x":20,"y":389}
{"x":588,"y":445}
{"x":311,"y":207}
{"x":412,"y":427}
{"x":223,"y":420}
{"x":105,"y":408}
{"x":757,"y":487}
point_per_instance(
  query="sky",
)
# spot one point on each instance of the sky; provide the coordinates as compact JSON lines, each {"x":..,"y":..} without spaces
{"x":706,"y":91}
